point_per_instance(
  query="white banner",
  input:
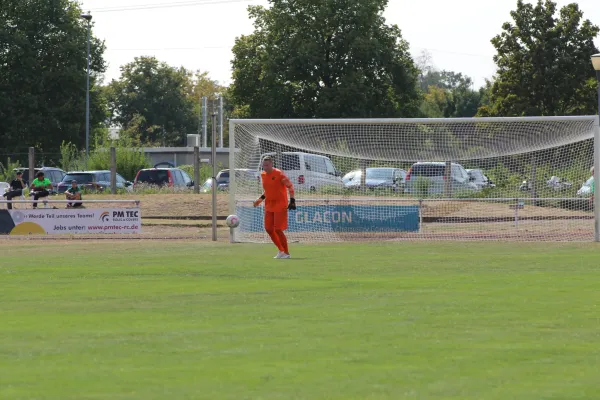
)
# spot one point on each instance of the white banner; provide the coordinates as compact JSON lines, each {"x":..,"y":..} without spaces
{"x":76,"y":221}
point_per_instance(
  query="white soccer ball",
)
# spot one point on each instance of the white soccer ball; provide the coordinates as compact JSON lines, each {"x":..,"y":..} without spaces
{"x":233,"y":221}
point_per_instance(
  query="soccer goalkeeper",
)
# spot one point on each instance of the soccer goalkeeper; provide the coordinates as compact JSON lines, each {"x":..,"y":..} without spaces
{"x":275,"y":195}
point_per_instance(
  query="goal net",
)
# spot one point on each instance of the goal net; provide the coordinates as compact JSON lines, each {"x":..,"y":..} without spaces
{"x":478,"y":178}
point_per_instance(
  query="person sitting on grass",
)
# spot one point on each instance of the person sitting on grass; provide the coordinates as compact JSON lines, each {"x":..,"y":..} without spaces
{"x":40,"y":187}
{"x":73,"y":193}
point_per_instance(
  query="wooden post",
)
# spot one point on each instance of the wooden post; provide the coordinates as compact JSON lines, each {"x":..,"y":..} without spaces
{"x":363,"y":175}
{"x":196,"y":169}
{"x":113,"y":170}
{"x":534,"y":179}
{"x":448,"y":180}
{"x":31,"y":165}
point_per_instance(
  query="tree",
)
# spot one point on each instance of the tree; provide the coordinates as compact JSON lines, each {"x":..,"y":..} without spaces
{"x":448,"y":94}
{"x":315,"y":58}
{"x":203,"y":86}
{"x":155,"y":100}
{"x":43,"y":70}
{"x":543,"y":62}
{"x":435,"y":103}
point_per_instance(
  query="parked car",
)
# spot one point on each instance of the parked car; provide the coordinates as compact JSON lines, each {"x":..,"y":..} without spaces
{"x":435,"y":175}
{"x":93,"y":181}
{"x":586,"y":188}
{"x":377,"y":178}
{"x":55,"y":175}
{"x":558,"y":184}
{"x":245,"y":175}
{"x":554,"y":183}
{"x":308,"y":172}
{"x":172,"y":177}
{"x":480,"y":179}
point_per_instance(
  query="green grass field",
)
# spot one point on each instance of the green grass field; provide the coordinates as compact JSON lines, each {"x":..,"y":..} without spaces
{"x":151,"y":320}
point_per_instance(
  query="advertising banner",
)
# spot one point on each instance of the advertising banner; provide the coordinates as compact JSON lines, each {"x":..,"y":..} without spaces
{"x":338,"y":218}
{"x":70,"y":221}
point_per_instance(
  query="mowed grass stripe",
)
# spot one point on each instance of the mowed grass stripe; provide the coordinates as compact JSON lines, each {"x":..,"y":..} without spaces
{"x":383,"y":320}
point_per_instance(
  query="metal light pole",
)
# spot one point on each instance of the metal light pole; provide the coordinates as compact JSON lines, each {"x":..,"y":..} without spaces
{"x":88,"y":18}
{"x":221,"y":121}
{"x":204,"y":121}
{"x":214,"y":176}
{"x":596,"y":64}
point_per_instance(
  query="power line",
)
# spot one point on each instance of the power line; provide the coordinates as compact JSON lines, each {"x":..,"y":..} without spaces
{"x":453,"y":52}
{"x":228,"y":47}
{"x":178,"y":4}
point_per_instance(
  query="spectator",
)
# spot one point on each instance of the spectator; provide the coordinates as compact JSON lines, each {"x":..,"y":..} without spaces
{"x":73,"y":193}
{"x":16,"y":188}
{"x":40,"y":187}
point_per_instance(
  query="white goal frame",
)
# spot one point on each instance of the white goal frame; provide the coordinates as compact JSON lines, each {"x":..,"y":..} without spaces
{"x":430,"y":121}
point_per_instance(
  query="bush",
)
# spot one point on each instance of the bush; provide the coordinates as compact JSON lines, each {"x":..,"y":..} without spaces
{"x":205,"y":171}
{"x":71,"y":159}
{"x":332,"y":190}
{"x":129,"y":159}
{"x":6,"y":172}
{"x":503,"y":178}
{"x":144,"y":188}
{"x":422,"y":186}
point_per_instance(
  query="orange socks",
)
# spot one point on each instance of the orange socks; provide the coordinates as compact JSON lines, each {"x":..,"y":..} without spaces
{"x":283,"y":241}
{"x":275,"y":238}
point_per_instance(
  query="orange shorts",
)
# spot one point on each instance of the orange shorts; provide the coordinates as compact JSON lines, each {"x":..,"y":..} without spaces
{"x":276,"y":220}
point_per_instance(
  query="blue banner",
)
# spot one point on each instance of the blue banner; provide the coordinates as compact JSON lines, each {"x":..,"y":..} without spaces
{"x":336,"y":218}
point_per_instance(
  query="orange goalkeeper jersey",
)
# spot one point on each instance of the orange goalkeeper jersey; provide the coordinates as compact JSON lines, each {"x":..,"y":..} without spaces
{"x":275,"y":185}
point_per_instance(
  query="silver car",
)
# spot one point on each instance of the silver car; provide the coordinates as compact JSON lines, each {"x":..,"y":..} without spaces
{"x":480,"y":179}
{"x":377,"y":178}
{"x":428,"y":178}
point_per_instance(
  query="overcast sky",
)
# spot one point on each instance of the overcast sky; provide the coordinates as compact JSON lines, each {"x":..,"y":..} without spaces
{"x":199,"y":34}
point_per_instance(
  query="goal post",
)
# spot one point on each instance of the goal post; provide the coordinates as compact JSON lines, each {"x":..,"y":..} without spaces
{"x":596,"y":193}
{"x":517,"y":178}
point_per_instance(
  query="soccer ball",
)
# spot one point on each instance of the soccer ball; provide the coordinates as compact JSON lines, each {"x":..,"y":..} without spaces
{"x":233,"y":221}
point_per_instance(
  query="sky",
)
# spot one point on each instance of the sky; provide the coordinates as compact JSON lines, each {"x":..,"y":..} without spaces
{"x":199,"y":34}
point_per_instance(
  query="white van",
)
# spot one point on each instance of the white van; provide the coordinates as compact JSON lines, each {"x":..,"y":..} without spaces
{"x":308,"y":172}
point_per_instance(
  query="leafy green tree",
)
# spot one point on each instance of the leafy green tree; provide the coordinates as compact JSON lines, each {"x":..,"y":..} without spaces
{"x":315,"y":58}
{"x":436,"y":102}
{"x":543,"y":61}
{"x":43,"y":70}
{"x":448,"y":95}
{"x":155,"y":100}
{"x":202,"y":85}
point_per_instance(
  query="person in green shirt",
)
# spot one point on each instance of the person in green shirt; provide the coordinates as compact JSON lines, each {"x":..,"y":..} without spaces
{"x":73,"y":193}
{"x":40,"y":187}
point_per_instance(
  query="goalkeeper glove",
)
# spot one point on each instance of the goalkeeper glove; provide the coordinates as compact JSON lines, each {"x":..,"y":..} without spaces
{"x":292,"y":205}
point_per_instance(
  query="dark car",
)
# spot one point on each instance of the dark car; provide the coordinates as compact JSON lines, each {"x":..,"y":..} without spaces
{"x":172,"y":177}
{"x":92,"y":181}
{"x":55,"y":175}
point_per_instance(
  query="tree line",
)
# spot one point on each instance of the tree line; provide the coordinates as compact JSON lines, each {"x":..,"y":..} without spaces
{"x":305,"y":59}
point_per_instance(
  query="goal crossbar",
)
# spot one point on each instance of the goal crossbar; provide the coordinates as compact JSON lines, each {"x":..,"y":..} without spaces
{"x":352,"y":121}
